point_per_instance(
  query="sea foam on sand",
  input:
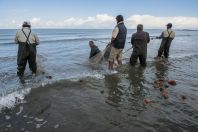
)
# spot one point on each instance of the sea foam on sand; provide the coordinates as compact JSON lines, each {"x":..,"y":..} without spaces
{"x":12,"y":99}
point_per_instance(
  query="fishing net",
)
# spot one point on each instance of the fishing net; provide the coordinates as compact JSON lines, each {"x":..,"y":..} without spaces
{"x":100,"y":56}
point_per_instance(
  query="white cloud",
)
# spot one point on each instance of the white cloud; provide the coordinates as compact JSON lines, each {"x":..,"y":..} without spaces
{"x":108,"y":21}
{"x":13,"y":22}
{"x":98,"y":21}
{"x":36,"y":21}
{"x":159,"y":22}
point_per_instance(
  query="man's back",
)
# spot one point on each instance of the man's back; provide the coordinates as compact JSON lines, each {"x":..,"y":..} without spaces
{"x":20,"y":36}
{"x":140,"y":39}
{"x":168,"y":33}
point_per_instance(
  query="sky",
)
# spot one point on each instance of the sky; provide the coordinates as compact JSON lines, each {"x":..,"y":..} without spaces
{"x":98,"y":13}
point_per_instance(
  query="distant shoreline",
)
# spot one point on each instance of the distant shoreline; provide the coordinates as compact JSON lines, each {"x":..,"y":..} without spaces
{"x":91,"y":29}
{"x":187,"y":29}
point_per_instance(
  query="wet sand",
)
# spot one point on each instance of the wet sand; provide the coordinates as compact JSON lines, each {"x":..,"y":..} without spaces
{"x":115,"y":103}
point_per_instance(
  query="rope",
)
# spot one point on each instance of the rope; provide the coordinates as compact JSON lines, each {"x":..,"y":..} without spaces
{"x":107,"y":43}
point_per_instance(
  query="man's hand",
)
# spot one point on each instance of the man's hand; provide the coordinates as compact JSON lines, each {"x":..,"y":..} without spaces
{"x":158,"y":37}
{"x":109,"y":44}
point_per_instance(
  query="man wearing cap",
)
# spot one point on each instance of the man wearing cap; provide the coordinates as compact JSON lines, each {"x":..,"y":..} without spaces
{"x":27,"y":42}
{"x":167,"y":36}
{"x":117,"y":42}
{"x":139,"y":41}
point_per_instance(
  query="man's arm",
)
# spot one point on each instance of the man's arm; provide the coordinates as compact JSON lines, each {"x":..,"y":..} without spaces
{"x":16,"y":38}
{"x":114,"y":34}
{"x":147,"y":37}
{"x":161,"y":36}
{"x":91,"y":53}
{"x":173,"y":36}
{"x":132,"y":39}
{"x":36,"y":39}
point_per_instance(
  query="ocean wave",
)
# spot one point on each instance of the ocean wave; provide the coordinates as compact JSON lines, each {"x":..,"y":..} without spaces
{"x":7,"y":43}
{"x":17,"y":97}
{"x":8,"y":58}
{"x":12,"y":99}
{"x":60,"y":40}
{"x":186,"y":58}
{"x":77,"y":39}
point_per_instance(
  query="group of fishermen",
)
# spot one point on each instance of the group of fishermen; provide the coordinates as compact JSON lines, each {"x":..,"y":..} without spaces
{"x":139,"y":41}
{"x":28,"y":40}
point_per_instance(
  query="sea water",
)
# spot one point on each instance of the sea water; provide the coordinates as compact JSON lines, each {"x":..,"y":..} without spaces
{"x":113,"y":101}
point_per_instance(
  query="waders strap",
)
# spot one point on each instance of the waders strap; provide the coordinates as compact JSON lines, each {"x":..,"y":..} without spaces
{"x":169,"y":34}
{"x":27,"y":37}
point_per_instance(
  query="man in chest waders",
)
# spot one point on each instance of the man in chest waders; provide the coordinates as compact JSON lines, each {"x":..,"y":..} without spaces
{"x":27,"y":42}
{"x":167,"y":36}
{"x":117,"y":42}
{"x":139,"y":41}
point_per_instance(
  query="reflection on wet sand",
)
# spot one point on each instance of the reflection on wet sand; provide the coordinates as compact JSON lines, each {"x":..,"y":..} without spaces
{"x":137,"y":79}
{"x":114,"y":93}
{"x":161,"y":70}
{"x":127,"y":93}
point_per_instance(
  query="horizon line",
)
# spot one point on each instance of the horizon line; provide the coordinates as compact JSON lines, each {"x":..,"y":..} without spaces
{"x":97,"y":28}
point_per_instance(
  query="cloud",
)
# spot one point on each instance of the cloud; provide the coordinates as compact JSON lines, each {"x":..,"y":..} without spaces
{"x":36,"y":21}
{"x":108,"y":21}
{"x":150,"y":21}
{"x":98,"y":21}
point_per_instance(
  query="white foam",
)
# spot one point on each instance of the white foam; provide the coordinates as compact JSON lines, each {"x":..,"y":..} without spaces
{"x":38,"y":119}
{"x":56,"y":126}
{"x":40,"y":125}
{"x":12,"y":99}
{"x":94,"y":74}
{"x":9,"y":125}
{"x":7,"y":117}
{"x":20,"y":110}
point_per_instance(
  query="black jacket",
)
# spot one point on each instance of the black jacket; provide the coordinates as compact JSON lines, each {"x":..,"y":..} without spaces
{"x":139,"y":40}
{"x":120,"y":40}
{"x":94,"y":51}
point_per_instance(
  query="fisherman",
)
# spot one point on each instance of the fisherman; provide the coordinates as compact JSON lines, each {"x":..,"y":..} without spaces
{"x":27,"y":42}
{"x":139,"y":41}
{"x":117,"y":42}
{"x":94,"y":49}
{"x":167,"y":36}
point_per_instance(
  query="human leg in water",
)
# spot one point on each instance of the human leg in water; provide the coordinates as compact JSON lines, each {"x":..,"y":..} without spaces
{"x":21,"y":62}
{"x":133,"y":58}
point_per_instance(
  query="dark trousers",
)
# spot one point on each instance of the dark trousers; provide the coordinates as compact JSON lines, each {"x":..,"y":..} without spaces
{"x":164,"y":48}
{"x":26,"y":54}
{"x":142,"y":58}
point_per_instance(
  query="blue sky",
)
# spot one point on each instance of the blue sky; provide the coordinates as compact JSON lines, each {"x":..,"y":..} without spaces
{"x":65,"y":12}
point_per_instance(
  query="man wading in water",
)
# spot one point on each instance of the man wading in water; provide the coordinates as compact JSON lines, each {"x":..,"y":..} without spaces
{"x":27,"y":41}
{"x":117,"y":42}
{"x":94,"y":49}
{"x":167,"y":36}
{"x":139,"y":41}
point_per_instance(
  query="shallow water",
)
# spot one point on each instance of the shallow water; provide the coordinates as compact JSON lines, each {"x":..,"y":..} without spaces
{"x":80,"y":97}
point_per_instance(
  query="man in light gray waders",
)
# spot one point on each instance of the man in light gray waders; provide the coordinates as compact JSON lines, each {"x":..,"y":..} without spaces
{"x":27,"y":42}
{"x":167,"y":36}
{"x":117,"y":42}
{"x":139,"y":41}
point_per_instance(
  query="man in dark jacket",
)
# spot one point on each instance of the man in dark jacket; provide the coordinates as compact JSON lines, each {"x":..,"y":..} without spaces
{"x":167,"y":36}
{"x":139,"y":41}
{"x":117,"y":42}
{"x":94,"y":49}
{"x":27,"y":41}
